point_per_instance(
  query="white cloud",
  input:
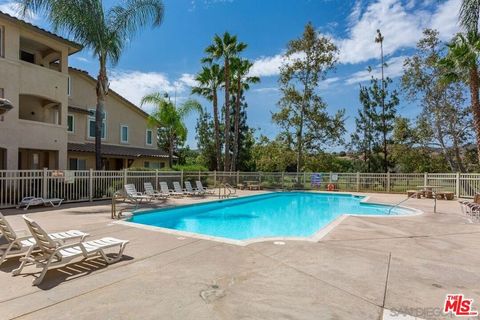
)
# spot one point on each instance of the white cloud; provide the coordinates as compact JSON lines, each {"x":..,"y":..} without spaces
{"x":82,"y":59}
{"x":206,"y":3}
{"x":270,"y":66}
{"x":445,"y":19}
{"x":187,"y":79}
{"x":266,"y":89}
{"x":401,"y":25}
{"x":133,"y":85}
{"x":13,"y":8}
{"x":394,"y":69}
{"x":267,"y":66}
{"x":327,"y":83}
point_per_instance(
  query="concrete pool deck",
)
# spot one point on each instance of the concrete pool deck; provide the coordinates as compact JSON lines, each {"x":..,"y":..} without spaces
{"x":361,"y":268}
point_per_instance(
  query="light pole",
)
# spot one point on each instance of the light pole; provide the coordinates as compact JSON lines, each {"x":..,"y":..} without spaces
{"x":379,"y":39}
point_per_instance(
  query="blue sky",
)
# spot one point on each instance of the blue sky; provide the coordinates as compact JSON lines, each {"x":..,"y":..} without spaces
{"x":166,"y":58}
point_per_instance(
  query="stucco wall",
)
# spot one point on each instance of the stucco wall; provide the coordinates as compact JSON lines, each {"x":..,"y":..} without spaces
{"x":137,"y":163}
{"x":118,"y":112}
{"x":19,"y":77}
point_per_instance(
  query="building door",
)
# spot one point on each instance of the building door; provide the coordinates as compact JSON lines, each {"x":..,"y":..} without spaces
{"x":118,"y":164}
{"x":3,"y":159}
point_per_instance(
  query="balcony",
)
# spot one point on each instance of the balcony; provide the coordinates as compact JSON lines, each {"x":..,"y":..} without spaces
{"x":39,"y":109}
{"x":39,"y":54}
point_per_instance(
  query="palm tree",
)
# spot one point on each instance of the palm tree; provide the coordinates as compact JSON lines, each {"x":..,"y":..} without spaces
{"x":461,"y":62}
{"x":105,"y":33}
{"x":225,"y":48}
{"x":169,"y":119}
{"x":209,"y":80}
{"x":242,"y":81}
{"x":469,"y":15}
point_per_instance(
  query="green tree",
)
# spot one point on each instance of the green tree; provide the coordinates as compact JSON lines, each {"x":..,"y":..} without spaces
{"x":379,"y":105}
{"x":172,"y":131}
{"x":245,"y":139}
{"x":302,"y":111}
{"x":462,"y":59}
{"x":207,"y":147}
{"x":208,"y":82}
{"x":104,"y":32}
{"x":364,"y":136}
{"x":225,"y":48}
{"x":241,"y":81}
{"x":410,"y":152}
{"x":444,"y":120}
{"x":273,"y":155}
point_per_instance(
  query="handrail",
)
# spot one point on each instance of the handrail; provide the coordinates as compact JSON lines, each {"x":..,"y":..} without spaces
{"x":404,"y":200}
{"x":116,"y":198}
{"x":226,"y":187}
{"x":231,"y":190}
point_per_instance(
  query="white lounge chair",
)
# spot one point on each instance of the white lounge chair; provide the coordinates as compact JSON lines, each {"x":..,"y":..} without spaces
{"x":149,"y":191}
{"x":134,"y":195}
{"x":188,"y":187}
{"x":164,"y":189}
{"x":35,"y":201}
{"x":178,"y":189}
{"x":26,"y":244}
{"x":202,"y":189}
{"x":54,"y":253}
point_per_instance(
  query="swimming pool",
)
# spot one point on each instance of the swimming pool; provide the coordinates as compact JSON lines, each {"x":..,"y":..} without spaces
{"x":281,"y":214}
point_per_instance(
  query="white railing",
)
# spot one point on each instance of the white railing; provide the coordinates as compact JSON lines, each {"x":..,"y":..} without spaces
{"x":89,"y":185}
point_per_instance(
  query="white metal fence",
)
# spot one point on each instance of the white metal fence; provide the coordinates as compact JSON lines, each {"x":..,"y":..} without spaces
{"x":91,"y":185}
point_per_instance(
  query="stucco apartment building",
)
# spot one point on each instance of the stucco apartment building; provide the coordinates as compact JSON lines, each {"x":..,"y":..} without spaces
{"x":51,"y":124}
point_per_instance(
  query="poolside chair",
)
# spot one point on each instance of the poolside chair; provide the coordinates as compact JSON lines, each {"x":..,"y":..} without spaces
{"x":202,"y":189}
{"x":164,"y":188}
{"x":178,"y":189}
{"x":53,"y":253}
{"x":149,"y":191}
{"x":195,"y":192}
{"x":19,"y":245}
{"x":471,"y":209}
{"x":35,"y":201}
{"x":135,"y":196}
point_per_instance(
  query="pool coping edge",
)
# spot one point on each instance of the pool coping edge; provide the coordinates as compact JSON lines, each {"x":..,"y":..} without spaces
{"x":318,"y":236}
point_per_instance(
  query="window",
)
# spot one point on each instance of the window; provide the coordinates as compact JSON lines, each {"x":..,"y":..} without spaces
{"x":70,"y":123}
{"x":69,"y":86}
{"x":27,"y":56}
{"x":149,"y":137}
{"x":154,"y":165}
{"x":77,"y":164}
{"x":2,"y":42}
{"x":91,"y":124}
{"x":123,"y":133}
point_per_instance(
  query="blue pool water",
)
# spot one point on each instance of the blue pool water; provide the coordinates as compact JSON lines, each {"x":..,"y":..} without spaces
{"x":285,"y":214}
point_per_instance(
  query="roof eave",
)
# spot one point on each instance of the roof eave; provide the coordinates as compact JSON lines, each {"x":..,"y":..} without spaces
{"x":73,"y":47}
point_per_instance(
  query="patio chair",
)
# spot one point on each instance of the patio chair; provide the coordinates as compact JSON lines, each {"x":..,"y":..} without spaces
{"x":135,"y":196}
{"x":35,"y":201}
{"x":164,"y":188}
{"x":54,"y":253}
{"x":178,"y":189}
{"x":202,"y":189}
{"x":189,"y":188}
{"x":149,"y":191}
{"x":26,"y":244}
{"x":472,"y":209}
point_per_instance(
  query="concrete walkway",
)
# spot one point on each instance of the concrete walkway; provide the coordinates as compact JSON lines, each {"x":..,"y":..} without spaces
{"x":365,"y":266}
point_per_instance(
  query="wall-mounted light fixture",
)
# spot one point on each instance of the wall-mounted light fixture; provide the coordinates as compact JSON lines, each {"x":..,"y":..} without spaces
{"x":5,"y":105}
